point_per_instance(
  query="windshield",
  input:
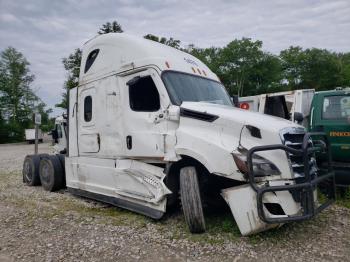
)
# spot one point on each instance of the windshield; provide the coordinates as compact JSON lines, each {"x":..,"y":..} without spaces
{"x":185,"y":87}
{"x":336,"y":107}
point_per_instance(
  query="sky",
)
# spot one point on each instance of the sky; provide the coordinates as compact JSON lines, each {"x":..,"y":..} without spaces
{"x":45,"y":31}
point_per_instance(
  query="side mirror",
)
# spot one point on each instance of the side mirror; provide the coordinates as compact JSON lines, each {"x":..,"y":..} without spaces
{"x":54,"y":134}
{"x":298,"y":117}
{"x":173,"y":113}
{"x":234,"y":100}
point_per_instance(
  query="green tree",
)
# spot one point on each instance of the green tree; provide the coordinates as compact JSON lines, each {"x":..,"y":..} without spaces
{"x":108,"y":27}
{"x":47,"y":123}
{"x":210,"y":56}
{"x":170,"y":42}
{"x":242,"y":66}
{"x":313,"y":68}
{"x":266,"y":77}
{"x":72,"y":66}
{"x":17,"y":99}
{"x":292,"y":65}
{"x":238,"y":62}
{"x":344,"y":64}
{"x":321,"y":70}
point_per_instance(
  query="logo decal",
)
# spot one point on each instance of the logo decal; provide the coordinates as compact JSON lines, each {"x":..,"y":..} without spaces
{"x":190,"y":61}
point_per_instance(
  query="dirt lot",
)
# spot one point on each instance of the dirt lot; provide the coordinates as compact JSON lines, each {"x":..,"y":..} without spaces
{"x":39,"y":226}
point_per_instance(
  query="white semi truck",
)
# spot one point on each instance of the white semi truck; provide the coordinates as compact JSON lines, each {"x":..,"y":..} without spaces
{"x":149,"y":124}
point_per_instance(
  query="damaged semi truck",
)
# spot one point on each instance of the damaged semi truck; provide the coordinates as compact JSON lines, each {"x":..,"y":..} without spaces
{"x":149,"y":125}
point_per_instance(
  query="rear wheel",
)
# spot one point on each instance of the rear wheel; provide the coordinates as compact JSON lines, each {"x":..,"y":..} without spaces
{"x":31,"y":170}
{"x":191,"y":199}
{"x":51,"y":173}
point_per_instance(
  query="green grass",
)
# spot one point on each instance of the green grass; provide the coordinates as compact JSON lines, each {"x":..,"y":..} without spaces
{"x":343,"y":198}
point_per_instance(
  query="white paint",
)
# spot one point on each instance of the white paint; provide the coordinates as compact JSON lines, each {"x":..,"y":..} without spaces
{"x":296,"y":100}
{"x":100,"y":162}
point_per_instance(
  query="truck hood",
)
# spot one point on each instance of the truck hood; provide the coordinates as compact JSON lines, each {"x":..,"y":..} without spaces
{"x":232,"y":128}
{"x":232,"y":115}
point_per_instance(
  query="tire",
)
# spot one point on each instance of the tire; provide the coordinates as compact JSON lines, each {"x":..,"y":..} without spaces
{"x":61,"y":157}
{"x":31,"y":170}
{"x":191,"y":200}
{"x":51,"y":173}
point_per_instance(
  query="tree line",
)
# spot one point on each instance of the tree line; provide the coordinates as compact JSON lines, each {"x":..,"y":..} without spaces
{"x":245,"y":68}
{"x":18,"y":101}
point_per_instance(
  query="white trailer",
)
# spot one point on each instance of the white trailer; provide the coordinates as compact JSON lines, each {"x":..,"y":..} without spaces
{"x":30,"y":135}
{"x":149,"y":124}
{"x":291,"y":105}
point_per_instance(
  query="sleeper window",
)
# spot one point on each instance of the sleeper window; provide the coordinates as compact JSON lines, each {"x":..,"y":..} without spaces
{"x":90,"y":59}
{"x":87,"y":108}
{"x":143,"y":95}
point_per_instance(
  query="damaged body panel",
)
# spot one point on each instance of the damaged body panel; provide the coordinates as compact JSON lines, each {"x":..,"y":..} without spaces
{"x":150,"y":126}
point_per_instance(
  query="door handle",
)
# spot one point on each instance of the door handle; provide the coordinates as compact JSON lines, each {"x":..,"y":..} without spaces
{"x":129,"y":142}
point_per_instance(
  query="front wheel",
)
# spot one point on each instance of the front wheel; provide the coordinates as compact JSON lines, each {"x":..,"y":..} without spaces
{"x":191,"y":200}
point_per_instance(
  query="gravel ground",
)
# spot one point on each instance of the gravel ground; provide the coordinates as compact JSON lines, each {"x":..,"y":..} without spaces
{"x":12,"y":155}
{"x":39,"y":226}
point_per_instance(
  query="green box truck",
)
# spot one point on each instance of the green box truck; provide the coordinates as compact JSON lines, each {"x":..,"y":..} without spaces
{"x":325,"y":111}
{"x":330,"y":113}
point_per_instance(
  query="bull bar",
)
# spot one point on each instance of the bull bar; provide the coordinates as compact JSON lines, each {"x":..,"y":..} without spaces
{"x":306,"y":187}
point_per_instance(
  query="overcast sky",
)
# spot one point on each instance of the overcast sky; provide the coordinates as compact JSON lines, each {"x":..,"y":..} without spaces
{"x":46,"y":31}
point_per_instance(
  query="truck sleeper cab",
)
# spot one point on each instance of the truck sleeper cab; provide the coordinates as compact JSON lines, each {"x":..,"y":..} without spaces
{"x":148,"y":123}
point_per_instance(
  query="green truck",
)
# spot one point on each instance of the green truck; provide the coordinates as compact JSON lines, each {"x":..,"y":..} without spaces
{"x":325,"y":111}
{"x":330,"y":113}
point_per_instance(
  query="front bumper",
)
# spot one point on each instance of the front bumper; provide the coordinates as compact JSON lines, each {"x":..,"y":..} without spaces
{"x":303,"y":191}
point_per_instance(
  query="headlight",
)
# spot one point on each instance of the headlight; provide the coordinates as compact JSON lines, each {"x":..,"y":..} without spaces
{"x":261,"y":166}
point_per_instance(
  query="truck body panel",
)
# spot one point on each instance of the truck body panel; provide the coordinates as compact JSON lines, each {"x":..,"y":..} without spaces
{"x":281,"y":104}
{"x":142,"y":108}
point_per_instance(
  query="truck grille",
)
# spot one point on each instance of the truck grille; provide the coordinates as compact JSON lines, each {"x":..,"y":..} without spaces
{"x":295,"y":141}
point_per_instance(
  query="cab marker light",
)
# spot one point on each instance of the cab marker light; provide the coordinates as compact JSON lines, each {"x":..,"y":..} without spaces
{"x":194,"y":70}
{"x":199,"y":71}
{"x":204,"y":73}
{"x":167,"y":64}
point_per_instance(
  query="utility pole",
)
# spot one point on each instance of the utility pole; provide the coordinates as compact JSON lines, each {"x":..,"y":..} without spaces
{"x":37,"y":122}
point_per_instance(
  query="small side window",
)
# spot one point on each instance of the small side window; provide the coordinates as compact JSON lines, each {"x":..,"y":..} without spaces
{"x":87,"y":109}
{"x":143,"y":95}
{"x":91,"y":59}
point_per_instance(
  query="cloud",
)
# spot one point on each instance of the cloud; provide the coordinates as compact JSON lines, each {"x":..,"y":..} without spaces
{"x":46,"y":31}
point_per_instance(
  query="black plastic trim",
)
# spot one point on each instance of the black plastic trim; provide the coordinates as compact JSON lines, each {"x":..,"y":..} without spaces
{"x":184,"y":112}
{"x":144,"y":210}
{"x":307,"y":188}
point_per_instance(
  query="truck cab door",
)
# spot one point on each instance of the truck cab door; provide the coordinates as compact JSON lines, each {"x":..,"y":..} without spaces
{"x":145,"y":100}
{"x":332,"y":117}
{"x":88,"y":136}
